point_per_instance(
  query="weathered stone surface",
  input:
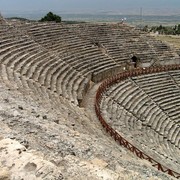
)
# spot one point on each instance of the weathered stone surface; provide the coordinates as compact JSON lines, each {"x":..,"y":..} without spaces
{"x":82,"y":151}
{"x":4,"y":174}
{"x":22,"y":164}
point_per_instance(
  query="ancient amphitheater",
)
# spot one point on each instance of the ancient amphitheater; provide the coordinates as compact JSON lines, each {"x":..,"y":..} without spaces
{"x":87,"y":101}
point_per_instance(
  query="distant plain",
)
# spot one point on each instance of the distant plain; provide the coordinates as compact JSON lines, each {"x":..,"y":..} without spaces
{"x":150,"y":20}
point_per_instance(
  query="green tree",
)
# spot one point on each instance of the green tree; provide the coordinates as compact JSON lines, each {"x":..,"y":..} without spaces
{"x":51,"y":17}
{"x":145,"y":28}
{"x":178,"y":29}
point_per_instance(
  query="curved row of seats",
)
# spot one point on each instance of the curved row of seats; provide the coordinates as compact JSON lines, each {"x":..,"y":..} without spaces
{"x":88,"y":46}
{"x":137,"y":133}
{"x":144,"y":110}
{"x":81,"y":54}
{"x":163,"y":90}
{"x":40,"y":93}
{"x":24,"y":56}
{"x":121,"y":42}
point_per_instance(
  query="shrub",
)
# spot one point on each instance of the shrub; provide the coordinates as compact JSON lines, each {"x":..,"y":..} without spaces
{"x":51,"y":17}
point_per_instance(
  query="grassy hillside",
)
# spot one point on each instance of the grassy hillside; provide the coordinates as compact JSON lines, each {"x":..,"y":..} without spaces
{"x":171,"y":39}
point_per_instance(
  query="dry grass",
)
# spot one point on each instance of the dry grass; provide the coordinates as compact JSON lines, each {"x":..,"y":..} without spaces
{"x":170,"y":39}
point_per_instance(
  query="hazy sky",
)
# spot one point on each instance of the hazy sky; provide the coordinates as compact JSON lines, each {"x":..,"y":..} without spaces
{"x":84,"y":5}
